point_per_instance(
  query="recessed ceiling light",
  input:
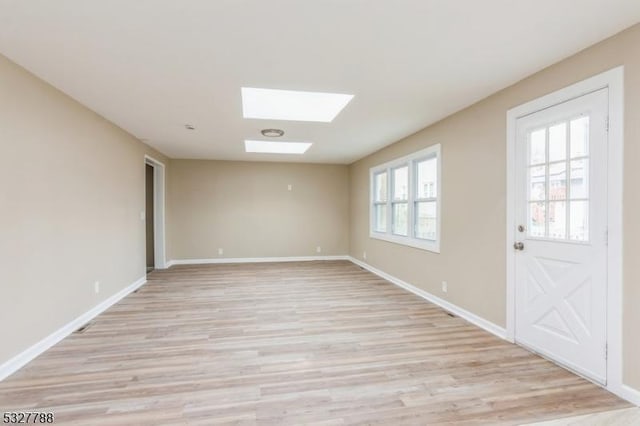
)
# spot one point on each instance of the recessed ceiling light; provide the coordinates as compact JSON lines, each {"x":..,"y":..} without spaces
{"x":189,"y":127}
{"x":272,"y":133}
{"x":276,"y":147}
{"x":271,"y":104}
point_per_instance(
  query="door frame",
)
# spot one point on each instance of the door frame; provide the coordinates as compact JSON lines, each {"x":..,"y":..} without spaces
{"x":614,"y":81}
{"x":159,"y":246}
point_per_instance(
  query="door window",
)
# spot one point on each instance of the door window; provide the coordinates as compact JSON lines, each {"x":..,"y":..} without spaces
{"x":558,"y":181}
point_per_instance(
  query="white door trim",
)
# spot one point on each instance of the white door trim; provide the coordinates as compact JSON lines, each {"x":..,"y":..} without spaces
{"x":158,"y":211}
{"x":614,"y":81}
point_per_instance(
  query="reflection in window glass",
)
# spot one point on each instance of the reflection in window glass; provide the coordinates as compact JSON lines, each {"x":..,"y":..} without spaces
{"x":580,"y":137}
{"x":558,"y":181}
{"x":579,"y":220}
{"x":537,"y":220}
{"x":380,"y":185}
{"x":380,"y":218}
{"x":400,"y":219}
{"x":427,"y":178}
{"x":537,"y":152}
{"x":580,"y":179}
{"x":401,"y":183}
{"x":426,"y":226}
{"x":558,"y":142}
{"x":557,"y":219}
{"x":537,"y":183}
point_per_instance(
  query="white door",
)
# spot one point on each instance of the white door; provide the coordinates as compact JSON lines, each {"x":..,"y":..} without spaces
{"x":561,"y":233}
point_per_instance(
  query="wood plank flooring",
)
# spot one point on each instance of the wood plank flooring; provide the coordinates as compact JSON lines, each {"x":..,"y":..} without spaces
{"x":623,"y":417}
{"x":291,"y":343}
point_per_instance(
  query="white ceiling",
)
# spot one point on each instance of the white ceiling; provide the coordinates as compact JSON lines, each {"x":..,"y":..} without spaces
{"x":151,"y":66}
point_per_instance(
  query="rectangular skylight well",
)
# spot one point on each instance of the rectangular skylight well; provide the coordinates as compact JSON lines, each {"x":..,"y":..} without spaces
{"x":271,"y":147}
{"x":272,"y":104}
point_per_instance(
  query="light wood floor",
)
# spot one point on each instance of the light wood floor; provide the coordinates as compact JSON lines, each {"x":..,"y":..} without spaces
{"x":291,"y":343}
{"x":623,"y":417}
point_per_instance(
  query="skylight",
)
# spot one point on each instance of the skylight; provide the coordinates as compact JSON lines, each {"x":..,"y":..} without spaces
{"x":271,"y":147}
{"x":271,"y":104}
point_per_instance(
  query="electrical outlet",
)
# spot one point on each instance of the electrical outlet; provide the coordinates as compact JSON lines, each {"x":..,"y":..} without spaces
{"x":290,"y":187}
{"x":445,"y":286}
{"x":318,"y":249}
{"x":220,"y":252}
{"x":142,"y":216}
{"x":364,"y":255}
{"x":96,"y":287}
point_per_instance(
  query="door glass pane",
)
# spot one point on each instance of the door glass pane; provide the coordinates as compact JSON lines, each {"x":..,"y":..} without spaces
{"x":537,"y":183}
{"x":558,"y":181}
{"x":400,"y":218}
{"x":579,"y":221}
{"x":380,"y":187}
{"x":427,"y":177}
{"x":537,"y":147}
{"x":401,"y":183}
{"x":537,"y":220}
{"x":558,"y":142}
{"x":426,"y":220}
{"x":580,"y":179}
{"x":558,"y":219}
{"x":579,"y":137}
{"x":380,"y":217}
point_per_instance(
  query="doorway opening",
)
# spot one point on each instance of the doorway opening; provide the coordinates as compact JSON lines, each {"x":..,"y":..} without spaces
{"x":149,"y":216}
{"x":154,"y":214}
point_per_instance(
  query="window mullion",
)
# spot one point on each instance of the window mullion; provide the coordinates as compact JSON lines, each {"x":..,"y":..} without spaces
{"x":410,"y":197}
{"x":389,"y":201}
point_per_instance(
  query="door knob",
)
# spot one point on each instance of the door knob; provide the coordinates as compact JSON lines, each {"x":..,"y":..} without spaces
{"x":518,"y":245}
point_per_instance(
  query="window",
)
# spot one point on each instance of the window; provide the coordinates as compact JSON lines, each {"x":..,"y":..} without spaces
{"x":405,"y":204}
{"x":400,"y":202}
{"x":558,"y":181}
{"x":380,"y":202}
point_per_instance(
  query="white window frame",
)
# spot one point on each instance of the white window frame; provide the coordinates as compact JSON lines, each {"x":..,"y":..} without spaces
{"x":411,"y":160}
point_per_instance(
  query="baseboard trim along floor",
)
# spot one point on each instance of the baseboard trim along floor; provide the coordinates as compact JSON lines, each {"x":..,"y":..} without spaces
{"x":223,"y":260}
{"x":23,"y":358}
{"x":447,"y":306}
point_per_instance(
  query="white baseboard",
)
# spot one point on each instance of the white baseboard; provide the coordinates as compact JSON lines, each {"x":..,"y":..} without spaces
{"x":253,"y":260}
{"x":628,"y":393}
{"x":625,"y":392}
{"x":447,"y":306}
{"x":23,"y":358}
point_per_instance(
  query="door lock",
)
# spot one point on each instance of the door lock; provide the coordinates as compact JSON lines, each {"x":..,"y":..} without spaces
{"x":518,"y":245}
{"x":521,"y":228}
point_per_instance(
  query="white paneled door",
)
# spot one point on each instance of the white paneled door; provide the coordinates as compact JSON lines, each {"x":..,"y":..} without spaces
{"x":561,"y":233}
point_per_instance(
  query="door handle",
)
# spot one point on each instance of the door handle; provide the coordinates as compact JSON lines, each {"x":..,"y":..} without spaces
{"x":518,"y":245}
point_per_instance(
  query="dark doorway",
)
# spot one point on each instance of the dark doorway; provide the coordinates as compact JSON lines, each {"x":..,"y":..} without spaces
{"x":149,"y":216}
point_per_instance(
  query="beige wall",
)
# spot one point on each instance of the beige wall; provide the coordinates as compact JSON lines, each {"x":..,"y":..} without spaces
{"x":71,"y":193}
{"x":473,"y":195}
{"x":247,"y":210}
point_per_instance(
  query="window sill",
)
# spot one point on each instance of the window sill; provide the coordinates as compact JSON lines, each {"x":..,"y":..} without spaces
{"x":432,"y":246}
